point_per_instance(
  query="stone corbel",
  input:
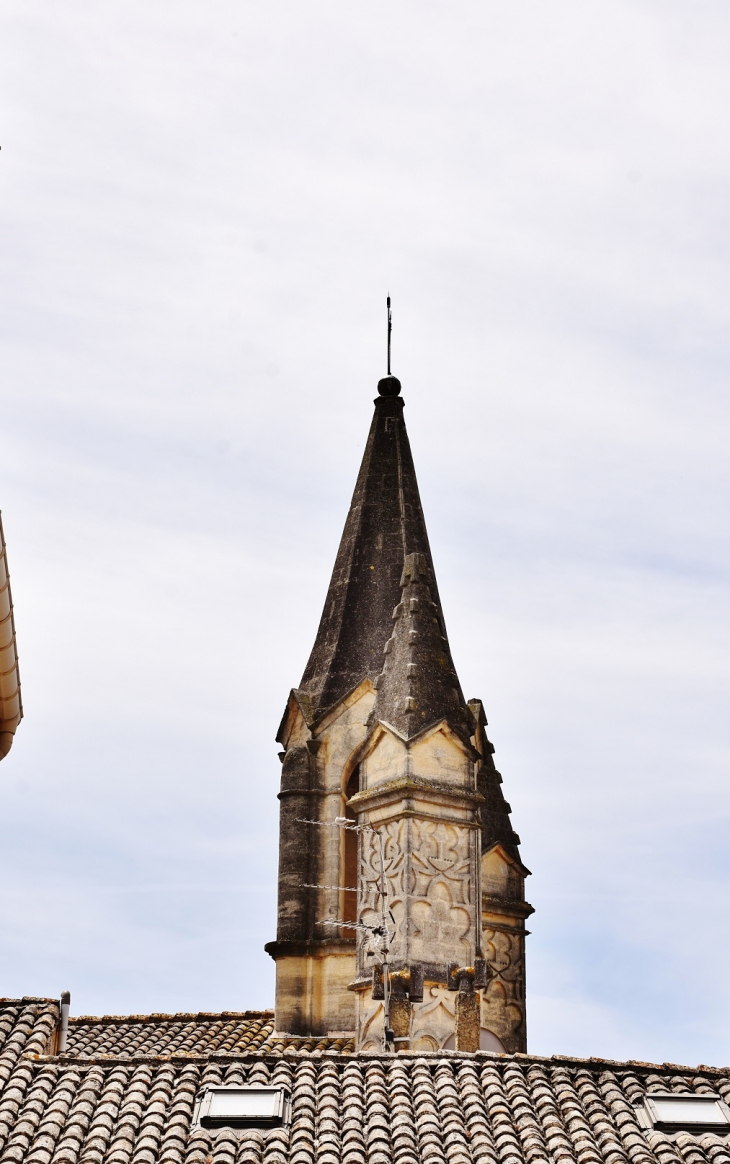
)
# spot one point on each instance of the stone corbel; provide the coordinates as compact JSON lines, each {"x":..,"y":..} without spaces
{"x":467,"y":980}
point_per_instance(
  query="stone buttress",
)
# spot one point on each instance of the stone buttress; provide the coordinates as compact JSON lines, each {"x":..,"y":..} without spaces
{"x":379,"y":732}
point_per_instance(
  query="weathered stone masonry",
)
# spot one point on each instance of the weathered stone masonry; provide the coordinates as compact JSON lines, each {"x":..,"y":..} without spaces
{"x":379,"y":730}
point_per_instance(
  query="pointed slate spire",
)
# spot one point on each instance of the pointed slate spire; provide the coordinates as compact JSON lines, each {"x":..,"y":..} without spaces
{"x":418,"y":684}
{"x":384,"y":557}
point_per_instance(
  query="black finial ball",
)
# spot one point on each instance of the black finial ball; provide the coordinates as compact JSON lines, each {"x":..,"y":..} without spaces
{"x":389,"y":386}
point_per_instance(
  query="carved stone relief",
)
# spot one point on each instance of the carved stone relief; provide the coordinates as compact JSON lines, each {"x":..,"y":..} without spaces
{"x":503,"y":1002}
{"x":432,"y":1025}
{"x":430,"y":885}
{"x":369,"y":1023}
{"x":434,"y":1019}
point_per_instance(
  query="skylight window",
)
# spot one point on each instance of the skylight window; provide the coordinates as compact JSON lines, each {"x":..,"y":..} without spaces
{"x":677,"y":1112}
{"x":242,"y":1107}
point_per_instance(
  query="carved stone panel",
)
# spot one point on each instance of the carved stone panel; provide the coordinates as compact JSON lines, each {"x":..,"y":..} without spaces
{"x":432,"y":1025}
{"x":431,"y":888}
{"x":503,"y":1002}
{"x":434,"y":1019}
{"x":395,"y":844}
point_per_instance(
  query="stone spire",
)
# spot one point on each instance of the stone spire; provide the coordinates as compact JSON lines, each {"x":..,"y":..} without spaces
{"x":418,"y":684}
{"x":385,"y":529}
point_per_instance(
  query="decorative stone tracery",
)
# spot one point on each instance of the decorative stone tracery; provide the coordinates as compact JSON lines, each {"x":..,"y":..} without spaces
{"x":429,"y":872}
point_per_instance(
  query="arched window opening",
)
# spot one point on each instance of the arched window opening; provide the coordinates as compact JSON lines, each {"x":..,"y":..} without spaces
{"x":487,"y":1042}
{"x":349,"y":854}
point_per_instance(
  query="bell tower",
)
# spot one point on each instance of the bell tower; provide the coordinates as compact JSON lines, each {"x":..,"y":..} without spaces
{"x":390,"y":803}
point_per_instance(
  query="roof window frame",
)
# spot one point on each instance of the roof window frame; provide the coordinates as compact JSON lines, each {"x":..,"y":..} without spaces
{"x":652,"y":1119}
{"x":280,"y":1117}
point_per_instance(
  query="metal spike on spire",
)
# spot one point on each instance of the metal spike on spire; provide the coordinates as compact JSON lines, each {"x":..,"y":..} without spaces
{"x":390,"y":328}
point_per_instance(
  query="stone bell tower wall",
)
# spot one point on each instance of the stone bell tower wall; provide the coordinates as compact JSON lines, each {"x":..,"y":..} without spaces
{"x":431,"y":843}
{"x":314,"y":952}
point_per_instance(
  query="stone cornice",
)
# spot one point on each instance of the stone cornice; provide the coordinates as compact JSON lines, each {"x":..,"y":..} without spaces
{"x":506,"y":908}
{"x":312,"y":948}
{"x":410,"y":787}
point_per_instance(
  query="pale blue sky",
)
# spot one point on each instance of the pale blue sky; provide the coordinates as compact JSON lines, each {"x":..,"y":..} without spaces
{"x":203,"y":207}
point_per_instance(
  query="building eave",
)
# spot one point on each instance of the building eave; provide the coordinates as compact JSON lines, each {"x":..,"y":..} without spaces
{"x":11,"y":703}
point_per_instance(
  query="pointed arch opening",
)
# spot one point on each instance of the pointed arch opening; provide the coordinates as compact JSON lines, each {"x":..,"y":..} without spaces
{"x":349,"y":852}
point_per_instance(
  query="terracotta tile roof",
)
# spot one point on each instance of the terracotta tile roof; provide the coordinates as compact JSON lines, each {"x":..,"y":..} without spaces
{"x":135,"y":1106}
{"x":169,"y":1034}
{"x":234,"y":1032}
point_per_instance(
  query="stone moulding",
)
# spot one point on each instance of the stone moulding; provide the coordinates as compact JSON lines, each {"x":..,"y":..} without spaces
{"x":405,"y":790}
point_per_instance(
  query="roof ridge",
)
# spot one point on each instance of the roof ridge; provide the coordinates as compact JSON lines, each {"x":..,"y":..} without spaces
{"x":27,"y":1000}
{"x":275,"y":1056}
{"x":190,"y":1016}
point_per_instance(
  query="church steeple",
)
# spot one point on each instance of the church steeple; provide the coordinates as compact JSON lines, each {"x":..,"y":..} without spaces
{"x":371,"y":586}
{"x":379,"y":731}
